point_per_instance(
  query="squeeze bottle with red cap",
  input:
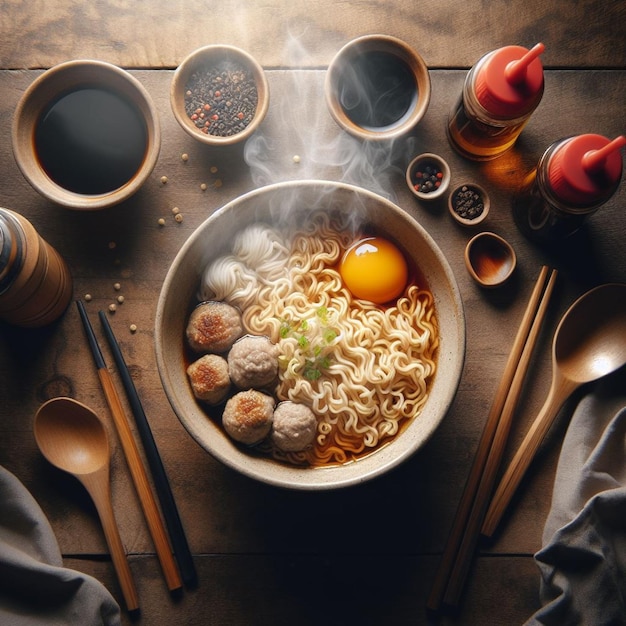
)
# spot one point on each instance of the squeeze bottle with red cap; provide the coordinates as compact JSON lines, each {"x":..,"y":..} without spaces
{"x":574,"y":177}
{"x":499,"y":95}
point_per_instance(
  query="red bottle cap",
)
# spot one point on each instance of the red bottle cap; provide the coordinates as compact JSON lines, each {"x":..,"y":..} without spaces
{"x":508,"y":83}
{"x":586,"y":169}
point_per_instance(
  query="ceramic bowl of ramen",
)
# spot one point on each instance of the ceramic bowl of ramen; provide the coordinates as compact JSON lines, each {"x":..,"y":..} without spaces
{"x":86,"y":134}
{"x":363,"y":315}
{"x":377,"y":88}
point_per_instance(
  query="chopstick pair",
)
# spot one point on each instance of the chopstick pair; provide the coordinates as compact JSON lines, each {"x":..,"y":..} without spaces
{"x":456,"y":559}
{"x":182,"y":552}
{"x":136,"y":467}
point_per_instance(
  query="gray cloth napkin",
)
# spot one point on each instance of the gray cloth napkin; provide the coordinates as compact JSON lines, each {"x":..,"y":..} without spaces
{"x":583,"y":558}
{"x":35,"y":588}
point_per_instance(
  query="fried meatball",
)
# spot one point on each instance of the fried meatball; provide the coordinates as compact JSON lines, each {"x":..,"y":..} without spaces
{"x":209,"y":378}
{"x":294,"y":427}
{"x":253,"y":362}
{"x":248,"y":415}
{"x":213,"y":327}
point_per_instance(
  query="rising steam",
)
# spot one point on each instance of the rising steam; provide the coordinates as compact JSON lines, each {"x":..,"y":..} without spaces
{"x":305,"y":143}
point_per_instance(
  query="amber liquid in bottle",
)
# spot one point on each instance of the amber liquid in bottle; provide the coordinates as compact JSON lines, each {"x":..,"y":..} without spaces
{"x":478,"y":140}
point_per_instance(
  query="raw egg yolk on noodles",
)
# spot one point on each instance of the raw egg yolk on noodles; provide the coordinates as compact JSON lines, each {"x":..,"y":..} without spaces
{"x":374,"y":269}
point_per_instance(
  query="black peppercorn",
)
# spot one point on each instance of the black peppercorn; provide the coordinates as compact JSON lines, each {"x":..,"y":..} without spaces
{"x":221,"y":100}
{"x":468,"y":203}
{"x":427,"y":177}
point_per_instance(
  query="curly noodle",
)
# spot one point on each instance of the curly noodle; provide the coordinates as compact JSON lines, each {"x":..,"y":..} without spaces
{"x":374,"y":369}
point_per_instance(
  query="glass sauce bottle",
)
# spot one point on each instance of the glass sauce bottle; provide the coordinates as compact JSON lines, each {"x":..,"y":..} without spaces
{"x":35,"y":282}
{"x":499,"y":95}
{"x":574,"y":177}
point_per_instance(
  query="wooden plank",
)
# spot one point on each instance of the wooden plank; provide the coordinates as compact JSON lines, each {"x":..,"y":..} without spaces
{"x":341,"y":589}
{"x":297,"y":34}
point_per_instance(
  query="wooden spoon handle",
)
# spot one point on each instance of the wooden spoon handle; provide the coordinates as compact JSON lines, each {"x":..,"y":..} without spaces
{"x":100,"y":494}
{"x":560,"y":389}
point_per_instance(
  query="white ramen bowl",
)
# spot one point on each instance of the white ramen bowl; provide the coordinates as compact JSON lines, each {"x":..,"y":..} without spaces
{"x":294,"y":201}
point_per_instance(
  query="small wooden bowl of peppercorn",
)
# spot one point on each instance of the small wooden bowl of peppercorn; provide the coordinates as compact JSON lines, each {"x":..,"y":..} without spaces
{"x":469,"y":204}
{"x":219,"y":95}
{"x":428,"y":176}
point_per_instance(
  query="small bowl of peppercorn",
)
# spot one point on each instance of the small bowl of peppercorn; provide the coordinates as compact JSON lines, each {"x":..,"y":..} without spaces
{"x":469,"y":204}
{"x":219,"y":95}
{"x":428,"y":176}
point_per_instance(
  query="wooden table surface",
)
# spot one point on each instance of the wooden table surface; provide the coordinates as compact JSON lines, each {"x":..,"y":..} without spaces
{"x":367,"y":554}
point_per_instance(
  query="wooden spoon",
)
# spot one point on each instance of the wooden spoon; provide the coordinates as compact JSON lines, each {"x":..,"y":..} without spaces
{"x":589,"y":343}
{"x":72,"y":437}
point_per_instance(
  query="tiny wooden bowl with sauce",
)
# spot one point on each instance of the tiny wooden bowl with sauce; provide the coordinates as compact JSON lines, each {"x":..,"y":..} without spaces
{"x":490,"y":259}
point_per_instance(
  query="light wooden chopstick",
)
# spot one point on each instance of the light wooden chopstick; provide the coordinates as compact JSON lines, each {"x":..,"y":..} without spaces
{"x":133,"y":458}
{"x":454,"y":564}
{"x":490,"y":473}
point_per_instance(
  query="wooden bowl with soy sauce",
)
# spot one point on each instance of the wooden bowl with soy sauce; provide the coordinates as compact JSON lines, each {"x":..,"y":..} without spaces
{"x":86,"y":134}
{"x":377,"y":88}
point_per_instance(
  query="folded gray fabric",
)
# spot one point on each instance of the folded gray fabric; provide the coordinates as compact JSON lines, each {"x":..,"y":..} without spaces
{"x":35,"y":588}
{"x":583,"y":558}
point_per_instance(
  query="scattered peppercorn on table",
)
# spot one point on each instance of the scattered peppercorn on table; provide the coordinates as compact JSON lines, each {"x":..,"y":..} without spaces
{"x":366,"y":554}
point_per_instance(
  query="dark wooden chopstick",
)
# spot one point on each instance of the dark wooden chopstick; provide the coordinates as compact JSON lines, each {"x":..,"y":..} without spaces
{"x":174,"y":524}
{"x":133,"y":459}
{"x":467,"y":504}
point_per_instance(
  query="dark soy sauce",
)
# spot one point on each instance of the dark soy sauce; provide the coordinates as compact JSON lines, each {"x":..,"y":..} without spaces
{"x":378,"y":90}
{"x":91,"y":141}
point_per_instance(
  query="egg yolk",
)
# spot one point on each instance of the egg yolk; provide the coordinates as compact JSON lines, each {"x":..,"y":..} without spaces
{"x":374,"y":269}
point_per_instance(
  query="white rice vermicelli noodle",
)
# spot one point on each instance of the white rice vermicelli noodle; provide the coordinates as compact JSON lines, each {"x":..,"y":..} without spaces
{"x":362,"y":368}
